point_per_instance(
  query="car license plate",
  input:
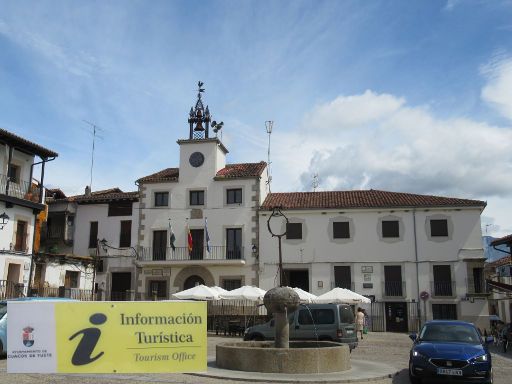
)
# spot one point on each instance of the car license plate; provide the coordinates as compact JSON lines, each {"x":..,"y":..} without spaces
{"x":450,"y":372}
{"x":349,"y":331}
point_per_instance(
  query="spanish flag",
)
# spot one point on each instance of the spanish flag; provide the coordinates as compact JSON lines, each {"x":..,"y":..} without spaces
{"x":189,"y":239}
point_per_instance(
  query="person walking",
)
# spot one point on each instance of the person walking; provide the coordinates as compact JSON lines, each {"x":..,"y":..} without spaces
{"x":360,"y":321}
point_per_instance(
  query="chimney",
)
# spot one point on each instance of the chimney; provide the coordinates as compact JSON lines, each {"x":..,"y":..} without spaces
{"x":87,"y":190}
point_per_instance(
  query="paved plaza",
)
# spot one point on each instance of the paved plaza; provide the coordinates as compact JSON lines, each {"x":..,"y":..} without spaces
{"x":389,"y":349}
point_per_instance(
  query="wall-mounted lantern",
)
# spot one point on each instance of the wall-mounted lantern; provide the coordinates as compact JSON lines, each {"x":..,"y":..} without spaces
{"x":4,"y":218}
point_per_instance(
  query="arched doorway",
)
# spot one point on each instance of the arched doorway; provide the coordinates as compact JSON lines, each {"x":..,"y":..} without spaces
{"x":192,"y":281}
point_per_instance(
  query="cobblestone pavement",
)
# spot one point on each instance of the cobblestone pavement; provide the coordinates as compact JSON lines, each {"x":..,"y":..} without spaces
{"x":389,"y":348}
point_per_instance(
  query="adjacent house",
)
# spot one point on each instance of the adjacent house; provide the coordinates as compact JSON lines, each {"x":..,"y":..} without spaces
{"x":399,"y":249}
{"x":21,"y":202}
{"x":93,"y":238}
{"x":499,"y":275}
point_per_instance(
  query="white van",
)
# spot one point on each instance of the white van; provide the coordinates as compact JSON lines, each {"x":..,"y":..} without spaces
{"x":326,"y":322}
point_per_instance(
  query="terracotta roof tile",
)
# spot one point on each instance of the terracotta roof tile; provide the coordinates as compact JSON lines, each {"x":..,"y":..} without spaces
{"x":235,"y":171}
{"x":502,"y":240}
{"x":167,"y":174}
{"x":24,"y":144}
{"x":498,"y":263}
{"x":362,"y":199}
{"x":230,"y":171}
{"x":103,"y":196}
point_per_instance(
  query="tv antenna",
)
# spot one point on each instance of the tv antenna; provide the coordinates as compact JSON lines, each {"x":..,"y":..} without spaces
{"x":94,"y":131}
{"x":269,"y":124}
{"x":315,"y":182}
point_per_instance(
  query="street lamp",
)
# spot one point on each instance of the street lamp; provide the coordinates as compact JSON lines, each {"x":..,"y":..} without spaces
{"x":4,"y":218}
{"x":279,"y":233}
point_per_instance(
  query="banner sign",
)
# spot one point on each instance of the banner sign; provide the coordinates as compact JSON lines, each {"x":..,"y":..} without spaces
{"x":106,"y":337}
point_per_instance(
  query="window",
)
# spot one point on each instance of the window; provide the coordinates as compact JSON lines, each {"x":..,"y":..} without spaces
{"x":294,"y":231}
{"x":159,"y":245}
{"x":125,"y":237}
{"x":158,"y":289}
{"x":93,"y":234}
{"x":196,"y":197}
{"x":316,"y":316}
{"x":14,"y":173}
{"x":71,"y":279}
{"x":161,"y":199}
{"x":230,"y":284}
{"x":343,"y":277}
{"x":341,"y":230}
{"x":390,"y":228}
{"x":393,"y":280}
{"x":234,"y":196}
{"x":439,"y":228}
{"x":442,"y":280}
{"x":21,"y":236}
{"x":234,"y":243}
{"x":120,"y":208}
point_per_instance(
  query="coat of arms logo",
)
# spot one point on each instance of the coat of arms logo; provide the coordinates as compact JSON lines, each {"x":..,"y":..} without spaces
{"x":28,"y":336}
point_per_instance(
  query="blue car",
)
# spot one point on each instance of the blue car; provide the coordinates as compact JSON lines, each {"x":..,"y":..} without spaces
{"x":452,"y":350}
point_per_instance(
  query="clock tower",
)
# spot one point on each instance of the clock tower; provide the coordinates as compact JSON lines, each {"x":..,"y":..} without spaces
{"x":201,"y":156}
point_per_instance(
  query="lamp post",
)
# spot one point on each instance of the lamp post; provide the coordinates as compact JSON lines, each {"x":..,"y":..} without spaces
{"x":279,"y":233}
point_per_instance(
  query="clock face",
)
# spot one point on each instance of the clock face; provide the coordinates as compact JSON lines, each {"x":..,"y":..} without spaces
{"x":196,"y":159}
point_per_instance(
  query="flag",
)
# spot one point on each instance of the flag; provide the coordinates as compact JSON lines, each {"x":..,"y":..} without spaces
{"x":189,"y":239}
{"x":172,"y":238}
{"x":206,"y":234}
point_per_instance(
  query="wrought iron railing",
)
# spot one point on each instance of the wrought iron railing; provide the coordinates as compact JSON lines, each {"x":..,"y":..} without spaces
{"x":442,"y":288}
{"x":20,"y":189}
{"x":10,"y":290}
{"x":394,"y":288}
{"x":182,"y":253}
{"x":71,"y":293}
{"x":477,"y":286}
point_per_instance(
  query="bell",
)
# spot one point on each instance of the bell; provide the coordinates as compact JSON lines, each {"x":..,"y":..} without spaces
{"x":199,"y":126}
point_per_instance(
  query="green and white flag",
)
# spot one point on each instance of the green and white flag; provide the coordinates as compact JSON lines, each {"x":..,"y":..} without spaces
{"x":172,"y":238}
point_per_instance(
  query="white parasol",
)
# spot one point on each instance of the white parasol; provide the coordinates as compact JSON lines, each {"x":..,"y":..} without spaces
{"x":199,"y":292}
{"x":247,"y":292}
{"x":341,"y":295}
{"x":304,"y":296}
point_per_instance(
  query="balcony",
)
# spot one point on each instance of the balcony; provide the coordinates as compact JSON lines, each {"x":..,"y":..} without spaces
{"x":442,"y":288}
{"x":21,"y":189}
{"x":477,"y":287}
{"x":394,"y":289}
{"x":181,"y":255}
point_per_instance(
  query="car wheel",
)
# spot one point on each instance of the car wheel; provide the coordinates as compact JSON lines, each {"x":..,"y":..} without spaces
{"x":413,"y":379}
{"x":257,"y":338}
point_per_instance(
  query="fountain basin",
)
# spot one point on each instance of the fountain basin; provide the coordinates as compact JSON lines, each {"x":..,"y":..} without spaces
{"x":301,"y":357}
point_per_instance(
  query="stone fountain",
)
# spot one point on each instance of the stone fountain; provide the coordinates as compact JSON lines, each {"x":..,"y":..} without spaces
{"x":281,"y":355}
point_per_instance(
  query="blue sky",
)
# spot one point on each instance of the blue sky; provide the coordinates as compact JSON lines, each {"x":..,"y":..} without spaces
{"x":411,"y":96}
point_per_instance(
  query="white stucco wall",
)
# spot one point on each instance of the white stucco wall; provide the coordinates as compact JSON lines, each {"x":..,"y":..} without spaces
{"x":8,"y":241}
{"x":109,"y":227}
{"x":367,"y":248}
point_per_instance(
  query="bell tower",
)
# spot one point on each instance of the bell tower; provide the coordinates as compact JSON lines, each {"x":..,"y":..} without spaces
{"x":201,"y":156}
{"x":199,"y":117}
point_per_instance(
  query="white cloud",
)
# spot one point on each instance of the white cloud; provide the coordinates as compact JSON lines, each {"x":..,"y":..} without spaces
{"x":378,"y":141}
{"x":498,"y":91}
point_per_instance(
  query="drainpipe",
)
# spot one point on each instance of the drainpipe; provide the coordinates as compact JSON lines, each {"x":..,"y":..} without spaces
{"x":417,"y":268}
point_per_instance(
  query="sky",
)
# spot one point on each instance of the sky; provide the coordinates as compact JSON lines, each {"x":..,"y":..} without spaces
{"x":398,"y":95}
